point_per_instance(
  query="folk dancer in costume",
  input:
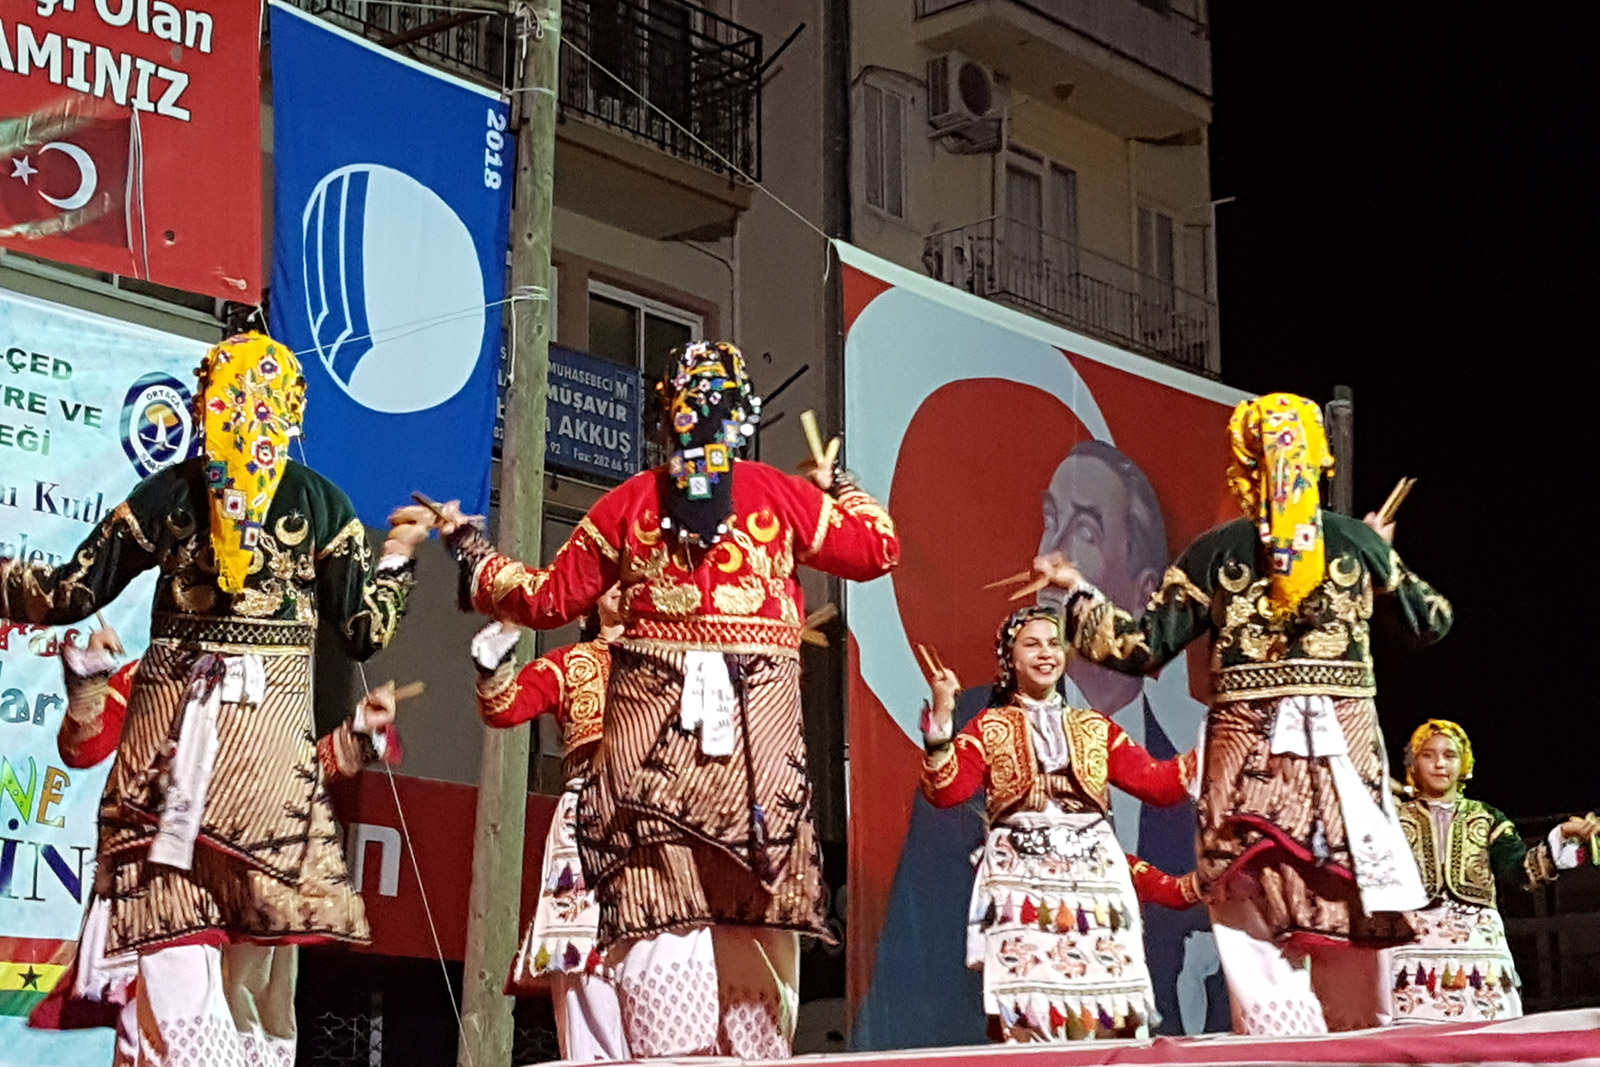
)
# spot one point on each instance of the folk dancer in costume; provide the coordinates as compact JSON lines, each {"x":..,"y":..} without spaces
{"x":218,"y":845}
{"x":696,"y":831}
{"x":559,"y":950}
{"x":1054,"y":922}
{"x":1460,"y":967}
{"x":1299,"y":850}
{"x":96,"y":990}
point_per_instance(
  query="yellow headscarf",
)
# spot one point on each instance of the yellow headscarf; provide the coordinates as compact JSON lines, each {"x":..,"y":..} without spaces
{"x":1432,"y":728}
{"x":250,"y":400}
{"x":1279,"y":454}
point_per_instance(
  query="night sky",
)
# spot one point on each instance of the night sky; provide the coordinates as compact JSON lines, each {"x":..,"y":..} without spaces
{"x":1416,"y":219}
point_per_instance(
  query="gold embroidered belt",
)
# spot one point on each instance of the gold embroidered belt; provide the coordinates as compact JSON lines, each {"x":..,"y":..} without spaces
{"x":1299,"y":677}
{"x":724,"y":633}
{"x":229,"y":633}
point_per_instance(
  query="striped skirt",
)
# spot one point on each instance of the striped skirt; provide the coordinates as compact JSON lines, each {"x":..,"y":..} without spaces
{"x":672,"y":838}
{"x":269,"y":861}
{"x":1271,"y":825}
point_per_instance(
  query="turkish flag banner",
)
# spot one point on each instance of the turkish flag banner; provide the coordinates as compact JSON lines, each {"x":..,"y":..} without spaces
{"x":130,"y":139}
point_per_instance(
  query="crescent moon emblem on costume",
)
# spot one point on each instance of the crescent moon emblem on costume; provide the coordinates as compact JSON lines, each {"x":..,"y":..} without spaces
{"x":760,"y":531}
{"x":88,"y":176}
{"x":646,"y":537}
{"x":735,"y":559}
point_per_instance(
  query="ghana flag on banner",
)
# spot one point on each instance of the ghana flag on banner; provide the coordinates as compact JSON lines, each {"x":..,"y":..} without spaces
{"x":29,"y":968}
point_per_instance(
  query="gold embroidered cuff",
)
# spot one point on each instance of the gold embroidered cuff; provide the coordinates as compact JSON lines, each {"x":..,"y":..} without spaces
{"x":940,"y":767}
{"x":1539,"y":866}
{"x":1189,"y":886}
{"x":497,"y":691}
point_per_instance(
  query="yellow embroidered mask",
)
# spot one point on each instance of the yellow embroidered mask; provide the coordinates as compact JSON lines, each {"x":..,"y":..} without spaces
{"x":251,"y":398}
{"x":1430,"y":729}
{"x":1280,"y":452}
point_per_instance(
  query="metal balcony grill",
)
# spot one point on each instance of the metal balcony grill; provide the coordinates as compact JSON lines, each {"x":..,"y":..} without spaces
{"x":700,"y":73}
{"x":1059,"y":280}
{"x":668,"y":73}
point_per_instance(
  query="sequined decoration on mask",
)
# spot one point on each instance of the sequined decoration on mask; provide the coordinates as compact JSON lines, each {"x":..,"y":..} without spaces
{"x":714,"y":413}
{"x":250,"y":401}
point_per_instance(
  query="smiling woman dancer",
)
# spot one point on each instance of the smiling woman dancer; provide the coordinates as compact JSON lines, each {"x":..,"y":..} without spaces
{"x":1054,"y":923}
{"x":1460,"y":968}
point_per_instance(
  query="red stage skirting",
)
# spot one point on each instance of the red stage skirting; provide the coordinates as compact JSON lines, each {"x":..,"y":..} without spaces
{"x":1565,"y":1037}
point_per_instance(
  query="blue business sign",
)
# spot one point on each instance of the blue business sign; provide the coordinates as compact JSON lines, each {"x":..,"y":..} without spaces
{"x":591,"y":416}
{"x":392,"y":209}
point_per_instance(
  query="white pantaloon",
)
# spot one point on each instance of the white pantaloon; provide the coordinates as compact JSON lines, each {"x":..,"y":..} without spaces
{"x":710,"y":991}
{"x":210,"y":1006}
{"x":1280,"y":991}
{"x":588,"y":1017}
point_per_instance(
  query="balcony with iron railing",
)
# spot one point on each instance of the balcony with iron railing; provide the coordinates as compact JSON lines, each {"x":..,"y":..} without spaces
{"x":1140,"y":68}
{"x":669,"y":73}
{"x":662,"y":87}
{"x":1062,"y":281}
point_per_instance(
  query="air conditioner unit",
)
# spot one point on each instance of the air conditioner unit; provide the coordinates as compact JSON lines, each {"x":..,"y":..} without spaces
{"x":960,"y":92}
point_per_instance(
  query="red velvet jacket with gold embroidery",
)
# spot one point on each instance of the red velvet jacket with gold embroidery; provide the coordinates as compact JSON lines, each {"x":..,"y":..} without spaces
{"x":569,"y":683}
{"x":740,"y":596}
{"x":995,"y":752}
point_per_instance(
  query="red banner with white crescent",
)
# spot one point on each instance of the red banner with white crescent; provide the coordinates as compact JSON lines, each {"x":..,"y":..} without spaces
{"x":130,"y":139}
{"x":992,"y":435}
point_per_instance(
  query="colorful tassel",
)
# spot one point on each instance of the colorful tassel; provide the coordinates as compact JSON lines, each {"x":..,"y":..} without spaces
{"x":564,"y":882}
{"x":541,"y":959}
{"x":1102,"y":914}
{"x":1083,"y":920}
{"x":594,"y":961}
{"x":1475,"y":980}
{"x":571,"y":958}
{"x":1088,"y":1020}
{"x":1030,"y":914}
{"x":1422,"y":976}
{"x":1106,"y":1021}
{"x":1045,"y":915}
{"x":1064,"y":921}
{"x":1057,"y":1020}
{"x":1006,"y":916}
{"x":1402,"y":979}
{"x":1433,"y":981}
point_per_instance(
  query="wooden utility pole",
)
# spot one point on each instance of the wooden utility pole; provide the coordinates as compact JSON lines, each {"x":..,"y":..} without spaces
{"x":497,"y":847}
{"x":1341,"y":418}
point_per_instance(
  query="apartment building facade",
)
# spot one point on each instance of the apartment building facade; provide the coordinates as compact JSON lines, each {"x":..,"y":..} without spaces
{"x":1048,"y":154}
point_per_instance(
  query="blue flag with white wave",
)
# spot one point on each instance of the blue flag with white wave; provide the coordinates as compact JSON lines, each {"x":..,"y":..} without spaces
{"x":392,"y":211}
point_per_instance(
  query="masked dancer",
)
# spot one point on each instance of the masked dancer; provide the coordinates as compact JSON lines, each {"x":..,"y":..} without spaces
{"x":696,"y":830}
{"x":1300,"y":853}
{"x":218,"y":847}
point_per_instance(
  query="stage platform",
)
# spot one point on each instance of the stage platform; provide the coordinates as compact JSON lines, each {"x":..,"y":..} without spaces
{"x":1562,"y":1037}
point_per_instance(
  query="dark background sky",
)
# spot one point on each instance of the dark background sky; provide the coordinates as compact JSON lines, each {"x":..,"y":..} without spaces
{"x":1416,"y":219}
